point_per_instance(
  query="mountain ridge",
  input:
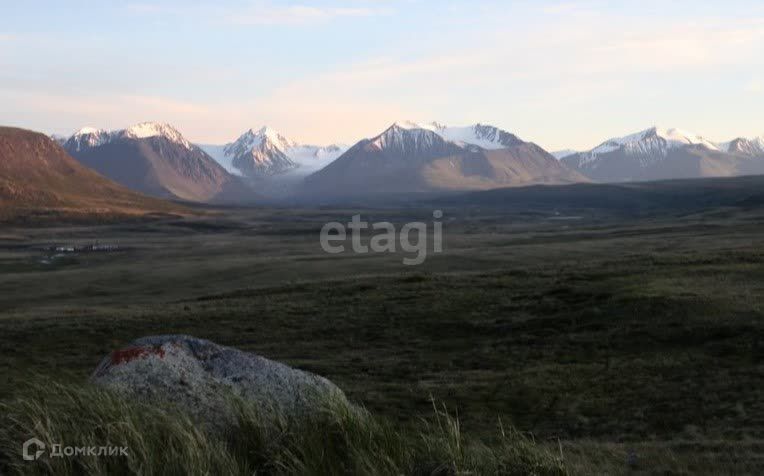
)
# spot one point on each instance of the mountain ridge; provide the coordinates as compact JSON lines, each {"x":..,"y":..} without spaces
{"x":155,"y":159}
{"x":656,"y":154}
{"x":38,"y":175}
{"x":264,"y":153}
{"x":407,"y":158}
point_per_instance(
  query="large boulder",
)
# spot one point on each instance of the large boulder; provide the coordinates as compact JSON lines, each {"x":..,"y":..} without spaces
{"x":204,"y":379}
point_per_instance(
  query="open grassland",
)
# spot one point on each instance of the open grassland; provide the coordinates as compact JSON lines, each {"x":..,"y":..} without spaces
{"x":598,"y":335}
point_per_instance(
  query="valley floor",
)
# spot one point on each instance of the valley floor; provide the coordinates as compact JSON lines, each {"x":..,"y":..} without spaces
{"x":600,"y":335}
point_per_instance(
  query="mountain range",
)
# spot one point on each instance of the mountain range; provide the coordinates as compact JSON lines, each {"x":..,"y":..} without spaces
{"x":409,"y":157}
{"x":38,"y":176}
{"x":656,"y":153}
{"x":155,"y":159}
{"x":265,"y":153}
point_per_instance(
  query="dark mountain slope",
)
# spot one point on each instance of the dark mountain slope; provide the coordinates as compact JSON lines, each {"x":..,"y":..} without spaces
{"x":37,"y":175}
{"x":155,"y":159}
{"x":416,"y":160}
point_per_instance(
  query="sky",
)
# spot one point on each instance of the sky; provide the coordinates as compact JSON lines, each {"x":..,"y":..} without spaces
{"x":563,"y":74}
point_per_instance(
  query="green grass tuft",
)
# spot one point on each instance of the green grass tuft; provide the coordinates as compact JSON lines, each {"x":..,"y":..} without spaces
{"x":338,"y":439}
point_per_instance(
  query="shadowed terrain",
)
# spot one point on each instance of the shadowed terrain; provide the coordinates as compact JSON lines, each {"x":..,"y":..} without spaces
{"x":161,"y":168}
{"x":605,"y":330}
{"x":37,"y":177}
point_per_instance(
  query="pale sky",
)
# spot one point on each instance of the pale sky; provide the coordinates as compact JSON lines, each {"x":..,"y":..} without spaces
{"x":561,"y":74}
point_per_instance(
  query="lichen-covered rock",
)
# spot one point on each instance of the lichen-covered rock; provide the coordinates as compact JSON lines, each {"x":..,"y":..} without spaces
{"x":201,"y":377}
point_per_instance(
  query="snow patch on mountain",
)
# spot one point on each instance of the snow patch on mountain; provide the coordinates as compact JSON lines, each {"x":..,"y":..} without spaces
{"x":653,"y":140}
{"x":88,"y":130}
{"x":217,"y":152}
{"x":264,"y":138}
{"x":88,"y":137}
{"x":312,"y":158}
{"x":266,"y":152}
{"x":748,"y":147}
{"x":477,"y":135}
{"x":647,"y":146}
{"x":559,"y":154}
{"x":403,"y":137}
{"x":145,"y":130}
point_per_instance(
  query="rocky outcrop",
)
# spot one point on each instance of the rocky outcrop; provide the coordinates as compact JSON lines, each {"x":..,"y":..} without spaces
{"x":203,"y":379}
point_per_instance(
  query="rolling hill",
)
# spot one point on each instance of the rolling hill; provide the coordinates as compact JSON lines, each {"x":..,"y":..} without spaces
{"x":37,"y":176}
{"x":677,"y":196}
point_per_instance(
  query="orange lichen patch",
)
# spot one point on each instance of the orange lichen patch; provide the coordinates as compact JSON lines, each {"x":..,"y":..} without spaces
{"x":131,"y":353}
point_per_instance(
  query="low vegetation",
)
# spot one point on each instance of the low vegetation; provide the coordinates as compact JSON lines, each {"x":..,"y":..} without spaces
{"x":623,"y":346}
{"x":336,"y":440}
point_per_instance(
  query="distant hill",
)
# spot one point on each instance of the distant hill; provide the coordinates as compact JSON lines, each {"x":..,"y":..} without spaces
{"x":155,"y":159}
{"x":412,"y":158}
{"x":630,"y":198}
{"x":38,"y":176}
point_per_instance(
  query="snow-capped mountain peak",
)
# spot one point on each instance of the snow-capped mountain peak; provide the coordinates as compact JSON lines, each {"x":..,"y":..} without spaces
{"x":87,"y":130}
{"x":481,"y":135}
{"x":748,"y":147}
{"x":405,"y":135}
{"x":145,"y":130}
{"x":678,"y":138}
{"x":653,"y":153}
{"x":264,"y":151}
{"x":406,"y":125}
{"x":262,"y":138}
{"x":259,"y":152}
{"x":653,"y":140}
{"x":86,"y":138}
{"x":277,"y":138}
{"x":477,"y":135}
{"x":89,"y":137}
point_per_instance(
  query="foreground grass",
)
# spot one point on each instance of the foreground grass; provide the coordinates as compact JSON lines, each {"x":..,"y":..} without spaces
{"x":336,"y":440}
